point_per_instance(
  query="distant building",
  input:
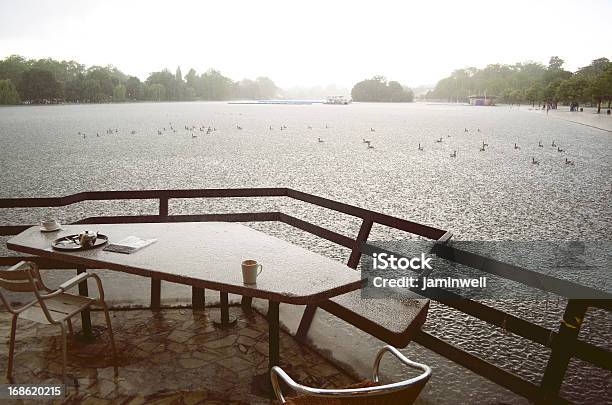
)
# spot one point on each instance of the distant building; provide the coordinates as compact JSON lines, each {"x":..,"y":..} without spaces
{"x":340,"y":100}
{"x":482,"y":100}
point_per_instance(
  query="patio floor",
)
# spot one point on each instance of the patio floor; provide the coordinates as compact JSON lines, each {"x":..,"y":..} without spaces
{"x":174,"y":356}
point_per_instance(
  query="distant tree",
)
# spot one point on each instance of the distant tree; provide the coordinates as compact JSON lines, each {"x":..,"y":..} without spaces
{"x":106,"y":79}
{"x":248,"y":90}
{"x":92,"y":91}
{"x":37,"y":85}
{"x":155,"y":92}
{"x":555,"y":63}
{"x":8,"y":93}
{"x":378,"y":90}
{"x":267,"y":88}
{"x":215,"y":86}
{"x":133,"y":88}
{"x":12,"y":67}
{"x":119,"y":93}
{"x":191,"y":78}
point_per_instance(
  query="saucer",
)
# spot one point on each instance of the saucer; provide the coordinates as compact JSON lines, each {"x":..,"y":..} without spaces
{"x":43,"y":229}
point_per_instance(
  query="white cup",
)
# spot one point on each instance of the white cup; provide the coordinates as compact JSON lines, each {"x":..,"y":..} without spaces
{"x":49,"y":224}
{"x":250,"y":270}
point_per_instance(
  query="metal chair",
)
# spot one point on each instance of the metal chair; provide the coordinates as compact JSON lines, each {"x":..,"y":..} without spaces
{"x":367,"y":392}
{"x":51,"y":307}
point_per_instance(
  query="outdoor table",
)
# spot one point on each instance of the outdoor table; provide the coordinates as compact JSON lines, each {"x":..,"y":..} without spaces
{"x":208,"y":255}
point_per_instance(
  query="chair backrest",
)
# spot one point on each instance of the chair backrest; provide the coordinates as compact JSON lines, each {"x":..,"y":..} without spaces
{"x":23,"y":277}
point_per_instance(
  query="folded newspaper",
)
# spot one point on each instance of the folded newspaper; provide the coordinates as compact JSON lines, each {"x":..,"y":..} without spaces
{"x":129,"y":245}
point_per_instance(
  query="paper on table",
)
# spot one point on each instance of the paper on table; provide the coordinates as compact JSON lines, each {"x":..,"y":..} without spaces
{"x":129,"y":245}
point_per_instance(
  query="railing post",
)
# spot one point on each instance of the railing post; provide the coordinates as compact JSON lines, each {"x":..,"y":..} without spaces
{"x":364,"y":233}
{"x":563,"y":348}
{"x":163,"y":206}
{"x":353,"y":262}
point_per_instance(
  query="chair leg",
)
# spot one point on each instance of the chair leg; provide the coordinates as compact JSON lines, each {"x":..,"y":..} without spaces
{"x":64,"y":354}
{"x":9,"y":370}
{"x":111,"y":336}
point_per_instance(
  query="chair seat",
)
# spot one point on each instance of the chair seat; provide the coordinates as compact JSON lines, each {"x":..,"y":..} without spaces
{"x":396,"y":398}
{"x":58,"y":306}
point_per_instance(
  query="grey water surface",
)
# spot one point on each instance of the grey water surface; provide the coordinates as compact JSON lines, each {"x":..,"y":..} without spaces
{"x":496,"y":194}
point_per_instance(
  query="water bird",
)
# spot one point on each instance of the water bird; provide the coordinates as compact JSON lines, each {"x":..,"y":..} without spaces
{"x":465,"y":130}
{"x":540,"y":144}
{"x":98,"y":134}
{"x":454,"y":154}
{"x":559,"y":149}
{"x":448,"y":136}
{"x":482,"y":149}
{"x":420,"y":147}
{"x":132,"y":132}
{"x":569,"y":162}
{"x":194,"y":136}
{"x":270,"y":127}
{"x":159,"y":132}
{"x":309,"y":127}
{"x":439,"y":140}
{"x":366,"y":141}
{"x":326,"y":126}
{"x":320,"y":140}
{"x":484,"y":144}
{"x":238,"y":127}
{"x":478,"y":129}
{"x":516,"y":146}
{"x":534,"y":162}
{"x":372,"y":130}
{"x":554,"y":145}
{"x":370,"y":146}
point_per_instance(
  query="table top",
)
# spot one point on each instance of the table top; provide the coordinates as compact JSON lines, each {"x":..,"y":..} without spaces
{"x":206,"y":255}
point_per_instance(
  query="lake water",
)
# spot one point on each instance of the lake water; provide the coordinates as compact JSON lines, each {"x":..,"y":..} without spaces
{"x":497,"y":194}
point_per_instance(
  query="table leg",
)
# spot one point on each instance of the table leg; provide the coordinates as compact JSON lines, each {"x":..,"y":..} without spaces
{"x":155,"y":294}
{"x":86,"y":334}
{"x":224,"y":320}
{"x":274,"y":338}
{"x":246,"y":304}
{"x":261,"y":382}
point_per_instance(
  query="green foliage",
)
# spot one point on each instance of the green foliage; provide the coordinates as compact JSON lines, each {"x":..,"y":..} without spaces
{"x":49,"y":80}
{"x":38,"y":85}
{"x":8,"y":93}
{"x":377,"y":89}
{"x":119,"y":93}
{"x":530,"y":82}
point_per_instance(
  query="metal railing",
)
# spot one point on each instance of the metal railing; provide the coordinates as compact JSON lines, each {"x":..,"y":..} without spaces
{"x":564,"y":342}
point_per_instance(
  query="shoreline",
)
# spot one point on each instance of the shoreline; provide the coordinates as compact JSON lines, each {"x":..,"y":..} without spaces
{"x":587,"y":118}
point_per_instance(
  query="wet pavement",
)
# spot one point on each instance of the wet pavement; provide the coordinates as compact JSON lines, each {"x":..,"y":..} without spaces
{"x":174,"y":356}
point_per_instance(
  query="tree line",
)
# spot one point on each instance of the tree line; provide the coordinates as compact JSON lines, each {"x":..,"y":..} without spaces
{"x":531,"y":82}
{"x":51,"y":81}
{"x":378,"y":89}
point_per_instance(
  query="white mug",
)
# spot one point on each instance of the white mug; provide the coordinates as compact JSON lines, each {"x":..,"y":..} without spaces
{"x":250,"y":270}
